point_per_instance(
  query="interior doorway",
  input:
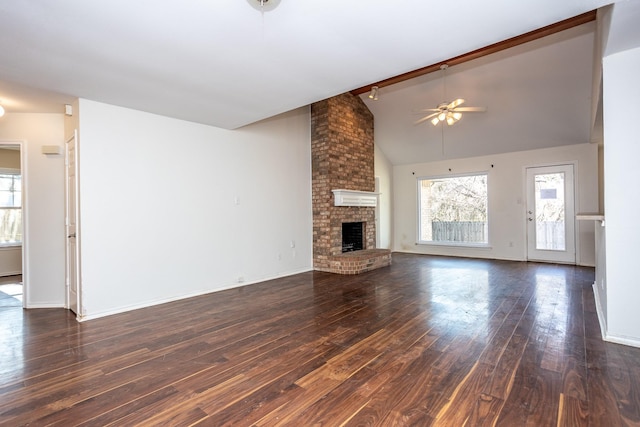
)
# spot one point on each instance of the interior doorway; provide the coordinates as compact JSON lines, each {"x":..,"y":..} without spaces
{"x":551,"y":214}
{"x":12,"y":194}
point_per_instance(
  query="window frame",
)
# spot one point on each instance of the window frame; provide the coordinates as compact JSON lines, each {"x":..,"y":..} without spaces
{"x":419,"y":241}
{"x":11,"y":171}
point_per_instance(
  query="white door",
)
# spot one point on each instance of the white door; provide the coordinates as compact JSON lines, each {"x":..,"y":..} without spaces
{"x":550,"y":214}
{"x":73,"y":293}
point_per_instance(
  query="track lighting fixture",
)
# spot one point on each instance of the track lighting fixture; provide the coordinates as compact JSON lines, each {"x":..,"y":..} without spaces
{"x":374,"y":93}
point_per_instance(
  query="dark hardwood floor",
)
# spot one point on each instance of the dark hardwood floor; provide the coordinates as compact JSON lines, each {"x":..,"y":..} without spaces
{"x":427,"y":341}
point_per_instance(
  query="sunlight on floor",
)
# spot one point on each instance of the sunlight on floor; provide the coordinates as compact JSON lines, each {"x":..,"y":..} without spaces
{"x":11,"y":291}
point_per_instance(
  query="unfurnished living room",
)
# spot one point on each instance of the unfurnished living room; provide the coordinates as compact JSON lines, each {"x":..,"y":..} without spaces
{"x":279,"y":212}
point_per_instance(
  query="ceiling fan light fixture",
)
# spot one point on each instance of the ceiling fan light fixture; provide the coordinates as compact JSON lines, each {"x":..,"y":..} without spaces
{"x":442,"y":116}
{"x":264,"y":5}
{"x":435,"y":121}
{"x":457,"y":116}
{"x":374,"y":93}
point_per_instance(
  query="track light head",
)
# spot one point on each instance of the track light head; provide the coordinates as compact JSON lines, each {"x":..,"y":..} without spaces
{"x":374,"y":93}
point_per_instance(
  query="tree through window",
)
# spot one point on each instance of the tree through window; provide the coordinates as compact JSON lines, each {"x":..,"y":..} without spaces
{"x":453,"y":209}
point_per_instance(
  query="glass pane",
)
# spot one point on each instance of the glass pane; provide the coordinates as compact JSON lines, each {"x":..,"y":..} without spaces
{"x":6,"y":182}
{"x":454,"y":209}
{"x":10,"y":225}
{"x":10,"y":187}
{"x":6,"y":199}
{"x":550,"y":220}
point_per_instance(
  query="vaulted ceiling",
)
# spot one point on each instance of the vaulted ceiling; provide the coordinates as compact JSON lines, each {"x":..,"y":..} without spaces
{"x":226,"y":64}
{"x":537,"y":95}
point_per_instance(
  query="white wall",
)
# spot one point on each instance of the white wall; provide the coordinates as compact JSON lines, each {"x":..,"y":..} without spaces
{"x":10,"y":260}
{"x":43,"y":205}
{"x":170,"y":208}
{"x":383,"y":170}
{"x":622,"y":204}
{"x":506,"y":192}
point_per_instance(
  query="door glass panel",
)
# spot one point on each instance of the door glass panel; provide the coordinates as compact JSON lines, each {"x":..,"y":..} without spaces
{"x":549,"y":209}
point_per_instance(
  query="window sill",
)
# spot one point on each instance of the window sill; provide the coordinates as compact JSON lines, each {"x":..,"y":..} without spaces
{"x":7,"y":246}
{"x":457,"y":245}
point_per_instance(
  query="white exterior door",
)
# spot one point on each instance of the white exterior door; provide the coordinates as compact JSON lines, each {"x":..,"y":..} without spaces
{"x":550,"y":214}
{"x":72,"y":268}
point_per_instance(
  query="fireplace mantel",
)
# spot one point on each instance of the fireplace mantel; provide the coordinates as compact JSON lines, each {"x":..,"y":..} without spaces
{"x":355,"y":198}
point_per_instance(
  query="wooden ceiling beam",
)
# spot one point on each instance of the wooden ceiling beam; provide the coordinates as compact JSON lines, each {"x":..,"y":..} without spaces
{"x":487,"y":50}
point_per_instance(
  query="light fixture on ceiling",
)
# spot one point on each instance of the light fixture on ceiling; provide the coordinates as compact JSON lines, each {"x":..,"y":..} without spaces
{"x":1,"y":111}
{"x":264,"y":5}
{"x":374,"y":93}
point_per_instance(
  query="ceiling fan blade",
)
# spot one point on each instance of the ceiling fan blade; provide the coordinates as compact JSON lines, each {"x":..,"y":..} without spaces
{"x":455,"y":103}
{"x":424,"y":119}
{"x":471,"y":109}
{"x":426,"y":110}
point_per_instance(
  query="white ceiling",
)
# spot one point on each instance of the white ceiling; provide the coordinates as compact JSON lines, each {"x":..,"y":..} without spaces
{"x":221,"y":62}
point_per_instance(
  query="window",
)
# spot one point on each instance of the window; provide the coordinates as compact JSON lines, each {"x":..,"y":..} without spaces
{"x":453,"y":209}
{"x":10,"y":208}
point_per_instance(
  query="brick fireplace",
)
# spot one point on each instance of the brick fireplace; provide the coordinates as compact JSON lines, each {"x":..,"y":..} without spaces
{"x":342,"y":154}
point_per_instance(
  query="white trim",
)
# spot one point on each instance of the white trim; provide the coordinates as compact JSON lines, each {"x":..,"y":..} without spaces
{"x":132,"y":307}
{"x":41,"y":304}
{"x":10,"y":171}
{"x":632,"y":342}
{"x":606,"y":336}
{"x":456,"y":244}
{"x":343,"y":197}
{"x":419,"y":241}
{"x":576,"y":203}
{"x":25,"y":218}
{"x":601,"y":319}
{"x":9,"y":246}
{"x":11,"y":273}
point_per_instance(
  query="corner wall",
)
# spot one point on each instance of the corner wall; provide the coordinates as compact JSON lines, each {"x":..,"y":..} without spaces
{"x":43,"y":266}
{"x":620,"y":295}
{"x":384,"y":218}
{"x":172,"y":209}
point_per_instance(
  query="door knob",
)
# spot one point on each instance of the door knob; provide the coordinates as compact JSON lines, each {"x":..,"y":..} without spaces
{"x":530,"y":219}
{"x":71,"y":235}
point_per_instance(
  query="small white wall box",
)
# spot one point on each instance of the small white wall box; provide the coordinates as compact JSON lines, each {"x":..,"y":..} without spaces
{"x":51,"y":149}
{"x":355,"y":198}
{"x":68,"y":110}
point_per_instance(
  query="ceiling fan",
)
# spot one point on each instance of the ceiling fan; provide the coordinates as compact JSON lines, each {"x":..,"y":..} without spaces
{"x":449,"y":112}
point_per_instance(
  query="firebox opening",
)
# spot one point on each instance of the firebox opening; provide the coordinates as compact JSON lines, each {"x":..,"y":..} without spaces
{"x":352,"y":236}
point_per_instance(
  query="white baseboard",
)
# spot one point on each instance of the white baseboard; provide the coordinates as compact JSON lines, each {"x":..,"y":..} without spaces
{"x":601,"y":318}
{"x":44,"y":305}
{"x":606,"y":336}
{"x":11,"y":273}
{"x":632,"y":342}
{"x":85,"y":317}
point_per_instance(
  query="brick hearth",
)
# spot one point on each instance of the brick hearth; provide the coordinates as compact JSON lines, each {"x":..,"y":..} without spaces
{"x":342,"y":151}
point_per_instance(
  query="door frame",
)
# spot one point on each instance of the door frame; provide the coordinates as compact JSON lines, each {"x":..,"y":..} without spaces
{"x":68,"y":273}
{"x":568,"y":218}
{"x":24,"y":252}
